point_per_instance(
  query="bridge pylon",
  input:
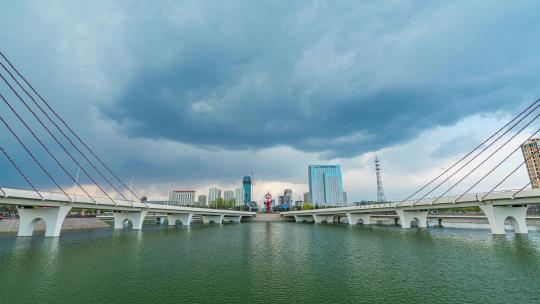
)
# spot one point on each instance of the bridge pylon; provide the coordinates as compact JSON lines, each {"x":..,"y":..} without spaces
{"x":406,"y":217}
{"x":52,"y":216}
{"x":497,"y":215}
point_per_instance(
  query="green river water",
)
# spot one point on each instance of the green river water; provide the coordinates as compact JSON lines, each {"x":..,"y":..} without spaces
{"x":276,"y":262}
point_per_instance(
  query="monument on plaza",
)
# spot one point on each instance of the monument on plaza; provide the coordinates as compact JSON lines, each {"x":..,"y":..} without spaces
{"x":268,"y":201}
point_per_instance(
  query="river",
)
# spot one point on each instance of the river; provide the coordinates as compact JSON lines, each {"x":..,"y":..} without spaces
{"x":277,"y":262}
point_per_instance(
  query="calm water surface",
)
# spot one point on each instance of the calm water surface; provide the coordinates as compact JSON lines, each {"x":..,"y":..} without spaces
{"x":271,"y":263}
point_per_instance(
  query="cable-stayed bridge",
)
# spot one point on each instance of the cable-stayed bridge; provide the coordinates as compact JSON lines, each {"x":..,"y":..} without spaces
{"x":28,"y":110}
{"x":56,"y":149}
{"x":52,"y":208}
{"x":497,"y":206}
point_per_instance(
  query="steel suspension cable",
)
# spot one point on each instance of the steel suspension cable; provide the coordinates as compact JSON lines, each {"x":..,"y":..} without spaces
{"x":471,"y":152}
{"x":514,"y":171}
{"x":482,"y":162}
{"x":20,"y":172}
{"x":32,"y":156}
{"x":479,"y":153}
{"x":44,"y":146}
{"x":68,"y":127}
{"x":62,"y":132}
{"x":497,"y":166}
{"x":56,"y":139}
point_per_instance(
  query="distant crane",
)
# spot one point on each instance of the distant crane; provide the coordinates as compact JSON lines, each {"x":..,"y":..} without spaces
{"x":380,"y":189}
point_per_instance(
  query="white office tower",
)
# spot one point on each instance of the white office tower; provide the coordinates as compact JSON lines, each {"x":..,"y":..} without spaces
{"x":239,"y":196}
{"x":228,"y":195}
{"x":213,"y":194}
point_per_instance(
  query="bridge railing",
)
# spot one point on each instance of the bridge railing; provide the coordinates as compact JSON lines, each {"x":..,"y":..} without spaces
{"x":473,"y":197}
{"x":479,"y":196}
{"x":100,"y":200}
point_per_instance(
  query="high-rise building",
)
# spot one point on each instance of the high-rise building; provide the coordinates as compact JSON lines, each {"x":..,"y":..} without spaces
{"x":228,"y":195}
{"x":307,"y":197}
{"x":182,"y":197}
{"x":247,"y":190}
{"x":325,"y":185}
{"x":239,"y":196}
{"x":530,"y":151}
{"x":288,"y":196}
{"x":202,"y":199}
{"x":344,"y":197}
{"x":213,"y":194}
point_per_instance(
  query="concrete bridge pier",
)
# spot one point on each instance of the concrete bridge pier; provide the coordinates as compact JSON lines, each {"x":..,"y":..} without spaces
{"x":135,"y":217}
{"x":323,"y":218}
{"x":497,"y":215}
{"x":355,"y":218}
{"x":303,"y":218}
{"x":406,"y":217}
{"x":185,"y":219}
{"x":437,"y":222}
{"x":52,"y":216}
{"x":232,"y":219}
{"x":208,"y":219}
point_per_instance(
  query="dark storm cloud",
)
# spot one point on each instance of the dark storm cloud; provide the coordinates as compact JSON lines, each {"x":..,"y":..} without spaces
{"x":330,"y":78}
{"x":336,"y":78}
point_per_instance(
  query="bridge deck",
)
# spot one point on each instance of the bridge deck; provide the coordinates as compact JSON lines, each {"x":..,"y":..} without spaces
{"x":501,"y":198}
{"x":21,"y":197}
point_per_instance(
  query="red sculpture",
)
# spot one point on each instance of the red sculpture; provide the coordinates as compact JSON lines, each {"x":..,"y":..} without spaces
{"x":268,"y":202}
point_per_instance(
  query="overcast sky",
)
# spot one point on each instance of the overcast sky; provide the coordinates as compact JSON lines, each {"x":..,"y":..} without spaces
{"x":191,"y":94}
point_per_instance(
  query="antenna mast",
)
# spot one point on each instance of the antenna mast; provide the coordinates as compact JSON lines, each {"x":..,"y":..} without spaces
{"x":380,"y":189}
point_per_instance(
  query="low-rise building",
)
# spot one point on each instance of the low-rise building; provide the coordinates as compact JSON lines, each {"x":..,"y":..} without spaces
{"x":182,"y":197}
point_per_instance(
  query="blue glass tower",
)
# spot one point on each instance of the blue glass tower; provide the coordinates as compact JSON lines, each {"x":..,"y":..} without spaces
{"x":247,"y":190}
{"x":325,"y":185}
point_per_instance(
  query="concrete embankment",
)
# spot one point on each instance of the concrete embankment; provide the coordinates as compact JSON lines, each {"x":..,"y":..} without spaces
{"x":12,"y":225}
{"x":270,"y":217}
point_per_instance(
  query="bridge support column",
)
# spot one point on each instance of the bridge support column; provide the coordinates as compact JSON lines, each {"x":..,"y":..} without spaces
{"x":184,"y":218}
{"x":218,"y":219}
{"x":355,"y":218}
{"x":136,"y":218}
{"x":497,"y":215}
{"x":437,"y":222}
{"x":322,"y":218}
{"x":232,"y":219}
{"x":303,"y":218}
{"x":406,"y":217}
{"x":52,"y":216}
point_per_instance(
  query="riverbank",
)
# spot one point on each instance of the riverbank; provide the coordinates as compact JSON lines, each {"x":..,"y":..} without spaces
{"x":12,"y":225}
{"x":270,"y":217}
